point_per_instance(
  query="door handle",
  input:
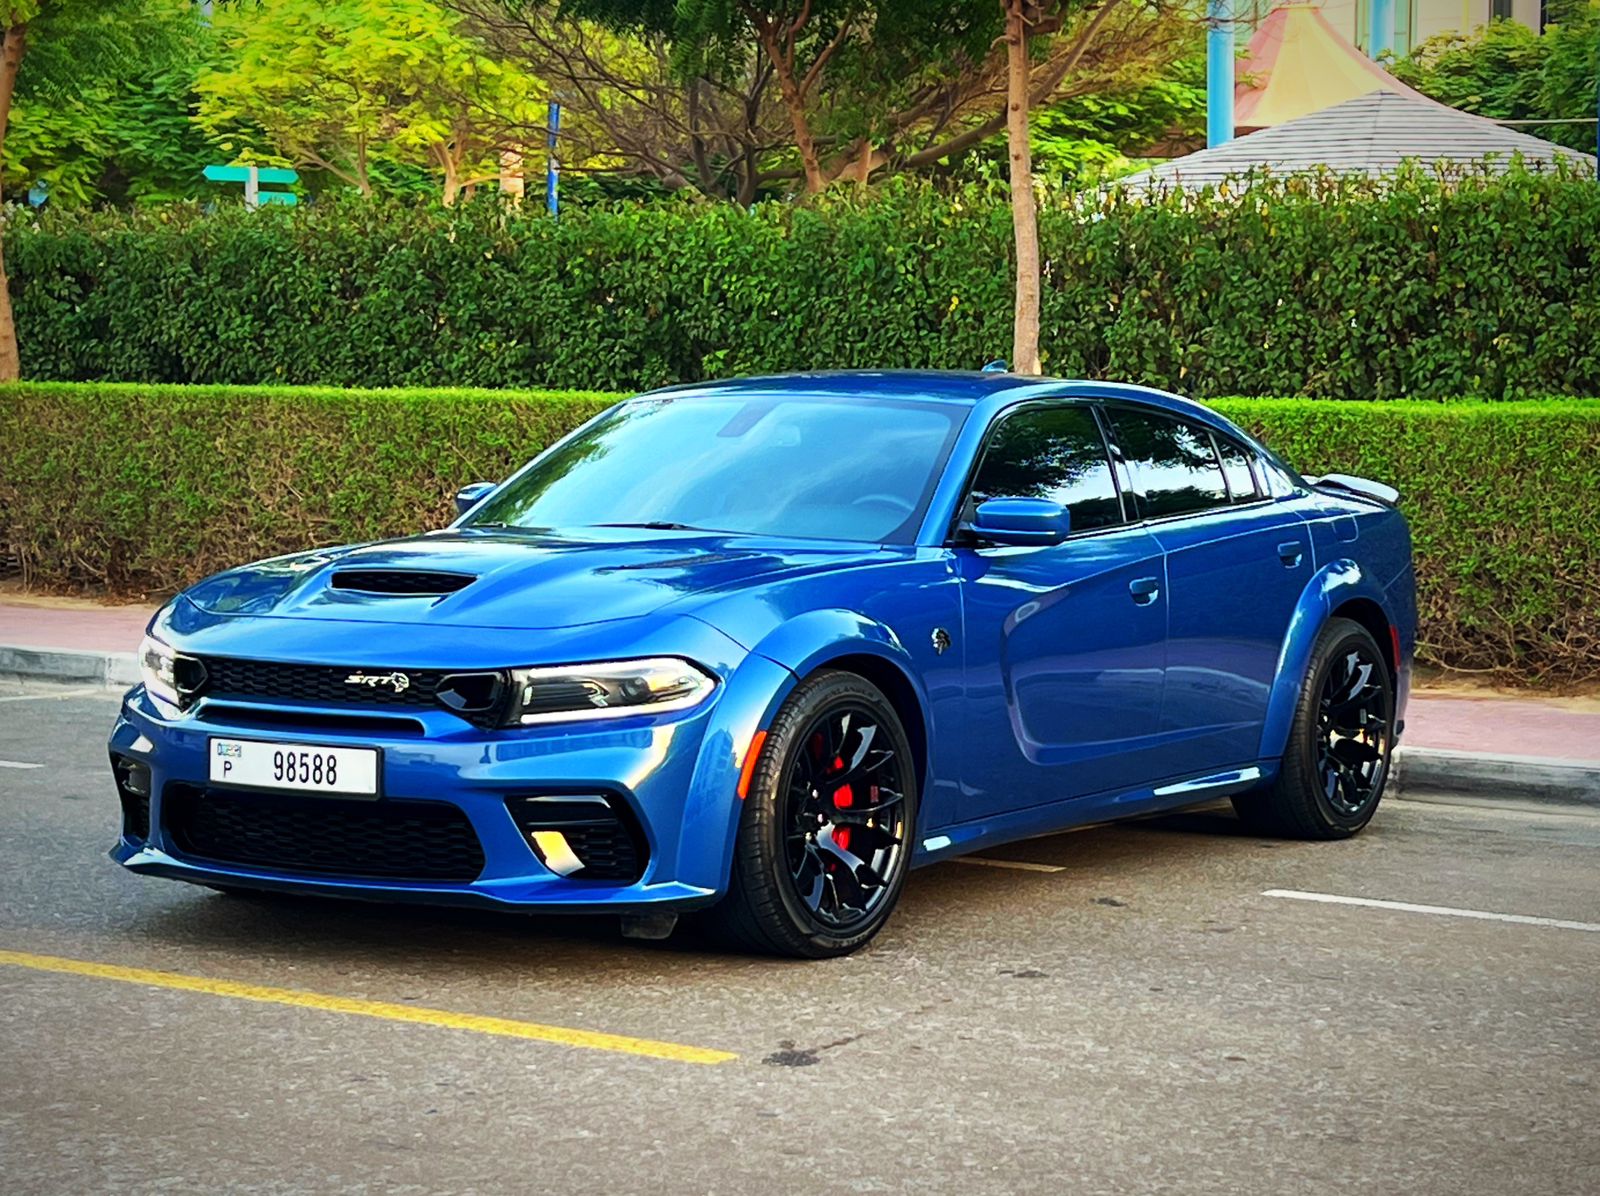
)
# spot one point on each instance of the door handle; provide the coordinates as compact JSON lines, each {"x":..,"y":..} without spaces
{"x":1290,"y":552}
{"x":1145,"y":590}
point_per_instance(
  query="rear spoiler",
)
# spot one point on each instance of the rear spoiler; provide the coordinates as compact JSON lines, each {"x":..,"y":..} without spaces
{"x":1365,"y":487}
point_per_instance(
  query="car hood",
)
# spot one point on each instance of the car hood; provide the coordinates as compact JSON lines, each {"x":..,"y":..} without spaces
{"x":515,"y":580}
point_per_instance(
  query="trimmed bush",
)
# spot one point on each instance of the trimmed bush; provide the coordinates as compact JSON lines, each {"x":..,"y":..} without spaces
{"x":144,"y":489}
{"x":147,"y":488}
{"x":1339,"y":289}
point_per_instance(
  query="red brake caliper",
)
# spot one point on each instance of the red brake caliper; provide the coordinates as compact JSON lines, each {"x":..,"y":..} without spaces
{"x":843,"y":798}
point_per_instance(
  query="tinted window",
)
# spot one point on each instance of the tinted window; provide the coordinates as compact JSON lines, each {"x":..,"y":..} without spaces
{"x":813,"y":466}
{"x":1236,"y":468}
{"x":1055,"y":453}
{"x":1175,"y":468}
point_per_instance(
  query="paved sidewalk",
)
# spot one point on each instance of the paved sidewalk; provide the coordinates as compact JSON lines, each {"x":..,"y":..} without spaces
{"x":1541,"y":745}
{"x":74,"y":626}
{"x":1557,"y":728}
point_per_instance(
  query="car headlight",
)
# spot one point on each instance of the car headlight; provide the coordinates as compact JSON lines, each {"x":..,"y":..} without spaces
{"x":158,"y":667}
{"x":585,"y":691}
{"x":168,"y":675}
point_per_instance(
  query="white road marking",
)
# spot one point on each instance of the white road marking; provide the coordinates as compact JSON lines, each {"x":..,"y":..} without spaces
{"x":1447,"y":911}
{"x":71,"y":693}
{"x":18,"y":764}
{"x":1019,"y":865}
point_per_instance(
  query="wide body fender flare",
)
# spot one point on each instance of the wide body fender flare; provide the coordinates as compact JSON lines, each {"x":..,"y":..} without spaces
{"x":758,"y":687}
{"x":1331,"y":587}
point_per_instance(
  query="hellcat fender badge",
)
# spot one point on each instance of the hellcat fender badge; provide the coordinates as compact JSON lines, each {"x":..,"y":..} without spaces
{"x":941,"y":640}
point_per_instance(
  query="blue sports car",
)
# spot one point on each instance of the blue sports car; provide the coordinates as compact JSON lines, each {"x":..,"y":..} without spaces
{"x":756,"y":648}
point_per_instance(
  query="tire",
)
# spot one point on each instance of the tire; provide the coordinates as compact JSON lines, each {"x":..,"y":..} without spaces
{"x":1336,"y":761}
{"x":793,"y":889}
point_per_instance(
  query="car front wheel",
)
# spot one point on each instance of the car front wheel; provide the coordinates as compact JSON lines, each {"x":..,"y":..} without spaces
{"x":824,"y":838}
{"x":1337,"y":758}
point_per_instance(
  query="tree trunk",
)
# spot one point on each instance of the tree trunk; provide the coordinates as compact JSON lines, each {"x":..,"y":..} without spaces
{"x":10,"y":60}
{"x":794,"y":102}
{"x":1024,"y":210}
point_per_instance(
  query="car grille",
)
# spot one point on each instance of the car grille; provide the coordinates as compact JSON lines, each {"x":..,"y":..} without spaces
{"x":226,"y":677}
{"x":384,"y":839}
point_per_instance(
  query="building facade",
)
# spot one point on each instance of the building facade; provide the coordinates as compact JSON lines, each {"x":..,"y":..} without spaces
{"x":1414,"y":20}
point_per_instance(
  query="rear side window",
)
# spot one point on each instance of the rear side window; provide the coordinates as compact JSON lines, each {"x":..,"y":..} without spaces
{"x":1174,"y":465}
{"x":1236,"y":469}
{"x":1055,"y":453}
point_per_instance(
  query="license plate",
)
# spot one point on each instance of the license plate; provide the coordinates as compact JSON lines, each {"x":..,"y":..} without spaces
{"x":303,"y":767}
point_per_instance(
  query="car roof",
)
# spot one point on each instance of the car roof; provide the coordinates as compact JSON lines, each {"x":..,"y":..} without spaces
{"x":963,"y":387}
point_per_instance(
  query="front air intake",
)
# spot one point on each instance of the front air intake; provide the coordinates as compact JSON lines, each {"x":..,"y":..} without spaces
{"x":591,"y":836}
{"x":408,"y":583}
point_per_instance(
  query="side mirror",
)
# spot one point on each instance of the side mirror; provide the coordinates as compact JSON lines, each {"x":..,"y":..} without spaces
{"x":1021,"y":521}
{"x":469,"y":496}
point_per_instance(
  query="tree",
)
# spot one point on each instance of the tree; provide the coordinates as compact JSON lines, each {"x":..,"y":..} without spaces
{"x":48,"y":49}
{"x":336,"y":84}
{"x":630,"y":106}
{"x":864,"y":88}
{"x":1020,"y":15}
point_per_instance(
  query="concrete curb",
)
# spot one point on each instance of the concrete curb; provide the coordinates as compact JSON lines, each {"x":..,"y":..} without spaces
{"x":1483,"y":775}
{"x":114,"y":670}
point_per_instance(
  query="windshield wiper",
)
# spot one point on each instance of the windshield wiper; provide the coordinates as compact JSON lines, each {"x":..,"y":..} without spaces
{"x":657,"y":525}
{"x":506,"y":527}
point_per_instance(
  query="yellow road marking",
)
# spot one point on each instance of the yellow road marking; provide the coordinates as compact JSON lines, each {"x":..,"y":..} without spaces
{"x":588,"y":1039}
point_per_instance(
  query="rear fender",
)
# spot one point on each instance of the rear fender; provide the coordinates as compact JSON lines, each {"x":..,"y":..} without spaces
{"x":1334,"y":584}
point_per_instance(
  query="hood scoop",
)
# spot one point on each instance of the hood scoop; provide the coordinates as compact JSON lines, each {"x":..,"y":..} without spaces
{"x":400,"y":583}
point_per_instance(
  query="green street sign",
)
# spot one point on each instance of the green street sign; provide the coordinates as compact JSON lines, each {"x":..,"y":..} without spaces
{"x":241,"y":174}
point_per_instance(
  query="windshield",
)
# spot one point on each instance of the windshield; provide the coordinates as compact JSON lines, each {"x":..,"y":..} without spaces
{"x":818,"y":467}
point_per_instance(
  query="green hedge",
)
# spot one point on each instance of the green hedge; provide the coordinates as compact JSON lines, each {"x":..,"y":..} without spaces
{"x":1324,"y":288}
{"x":146,"y":488}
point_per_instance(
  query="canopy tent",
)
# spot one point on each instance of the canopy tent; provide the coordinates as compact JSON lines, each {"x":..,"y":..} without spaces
{"x":1371,"y":134}
{"x":1297,"y":64}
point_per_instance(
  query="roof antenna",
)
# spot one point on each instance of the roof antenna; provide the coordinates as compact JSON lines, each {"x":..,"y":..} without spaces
{"x":997,"y":366}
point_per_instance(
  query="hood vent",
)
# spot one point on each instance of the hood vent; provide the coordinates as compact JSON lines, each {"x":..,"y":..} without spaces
{"x":400,"y":582}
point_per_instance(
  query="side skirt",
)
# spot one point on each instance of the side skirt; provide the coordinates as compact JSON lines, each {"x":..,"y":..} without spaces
{"x":1066,"y":815}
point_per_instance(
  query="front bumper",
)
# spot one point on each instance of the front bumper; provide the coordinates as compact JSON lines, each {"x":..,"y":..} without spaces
{"x":675,"y":776}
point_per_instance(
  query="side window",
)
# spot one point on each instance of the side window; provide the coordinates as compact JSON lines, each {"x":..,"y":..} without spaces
{"x":1055,"y":453}
{"x":1236,"y":469}
{"x":1175,"y":467}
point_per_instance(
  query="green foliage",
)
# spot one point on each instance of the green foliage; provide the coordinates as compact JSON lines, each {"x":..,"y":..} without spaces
{"x":341,"y":85}
{"x":140,"y":488}
{"x":123,"y":140}
{"x":102,"y":106}
{"x":1330,"y":289}
{"x":1091,"y":136}
{"x":1506,"y":71}
{"x":146,"y":488}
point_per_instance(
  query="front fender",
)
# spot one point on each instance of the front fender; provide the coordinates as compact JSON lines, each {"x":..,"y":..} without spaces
{"x":753,"y":694}
{"x":1333,"y":585}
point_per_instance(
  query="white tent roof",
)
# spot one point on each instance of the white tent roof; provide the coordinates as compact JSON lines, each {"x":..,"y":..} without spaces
{"x":1371,"y":134}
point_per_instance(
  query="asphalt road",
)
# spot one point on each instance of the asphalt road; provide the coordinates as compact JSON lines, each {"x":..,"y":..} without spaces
{"x":1131,"y":1014}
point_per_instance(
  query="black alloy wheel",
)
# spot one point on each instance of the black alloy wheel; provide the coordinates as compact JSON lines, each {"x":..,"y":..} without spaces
{"x":845,"y":796}
{"x":825,"y":835}
{"x":1336,"y":761}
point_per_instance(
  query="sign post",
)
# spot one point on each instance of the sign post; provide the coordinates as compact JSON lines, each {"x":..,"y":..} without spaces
{"x":552,"y":176}
{"x":252,"y":177}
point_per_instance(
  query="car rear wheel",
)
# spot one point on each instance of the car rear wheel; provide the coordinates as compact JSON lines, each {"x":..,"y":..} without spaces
{"x":824,"y":839}
{"x":1337,"y":758}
